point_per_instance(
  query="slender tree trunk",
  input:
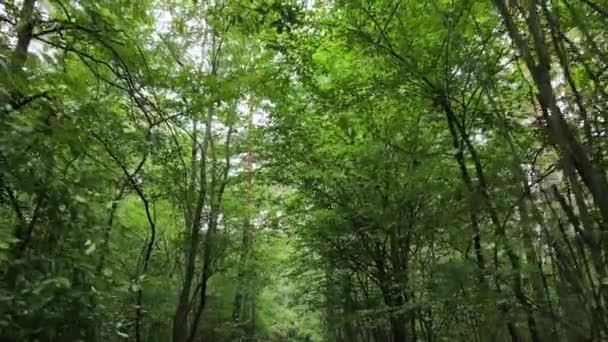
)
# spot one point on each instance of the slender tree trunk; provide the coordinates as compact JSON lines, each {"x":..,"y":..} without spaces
{"x":182,"y":311}
{"x":25,"y":28}
{"x":105,"y":242}
{"x":514,"y":261}
{"x":216,"y":195}
{"x":244,"y":292}
{"x":560,"y":133}
{"x":473,"y":198}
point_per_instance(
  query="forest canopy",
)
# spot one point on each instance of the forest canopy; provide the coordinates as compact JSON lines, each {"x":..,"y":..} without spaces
{"x":303,"y":170}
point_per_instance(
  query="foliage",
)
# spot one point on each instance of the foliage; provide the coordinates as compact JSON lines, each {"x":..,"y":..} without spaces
{"x":387,"y":170}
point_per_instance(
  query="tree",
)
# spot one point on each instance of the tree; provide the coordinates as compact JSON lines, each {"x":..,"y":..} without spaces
{"x":388,"y":170}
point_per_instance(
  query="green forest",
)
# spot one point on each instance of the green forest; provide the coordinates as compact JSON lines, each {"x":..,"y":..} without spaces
{"x":303,"y":170}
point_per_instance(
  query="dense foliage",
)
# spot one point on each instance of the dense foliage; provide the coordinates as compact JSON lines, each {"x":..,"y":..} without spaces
{"x":277,"y":170}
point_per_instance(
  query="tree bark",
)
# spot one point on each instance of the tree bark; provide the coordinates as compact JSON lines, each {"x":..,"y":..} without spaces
{"x":25,"y":28}
{"x":560,"y":133}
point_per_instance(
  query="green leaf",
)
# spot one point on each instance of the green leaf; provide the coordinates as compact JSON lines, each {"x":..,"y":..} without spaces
{"x":90,"y":247}
{"x":122,"y":334}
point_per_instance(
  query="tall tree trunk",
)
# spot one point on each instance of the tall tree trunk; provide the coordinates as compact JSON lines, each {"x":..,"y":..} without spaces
{"x":244,"y":295}
{"x":194,"y":218}
{"x":561,"y":135}
{"x":25,"y":28}
{"x":216,"y":195}
{"x":514,"y":261}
